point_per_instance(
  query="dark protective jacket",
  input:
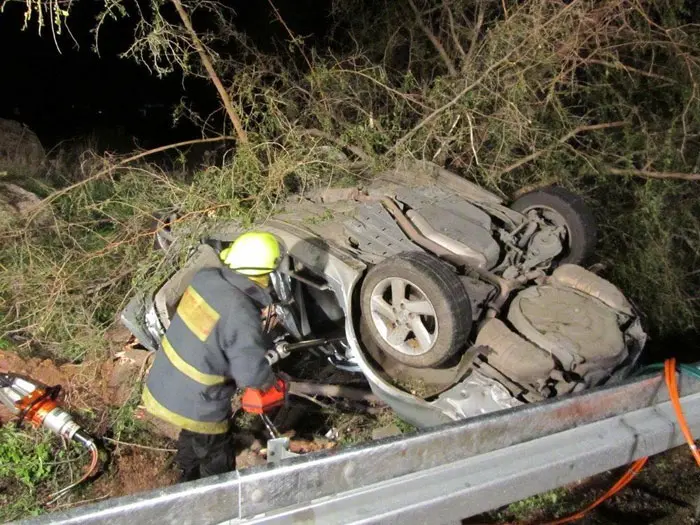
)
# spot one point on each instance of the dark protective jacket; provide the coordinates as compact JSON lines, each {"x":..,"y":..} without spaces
{"x":213,"y":346}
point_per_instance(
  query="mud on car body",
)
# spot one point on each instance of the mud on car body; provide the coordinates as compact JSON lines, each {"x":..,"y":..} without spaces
{"x":450,"y":303}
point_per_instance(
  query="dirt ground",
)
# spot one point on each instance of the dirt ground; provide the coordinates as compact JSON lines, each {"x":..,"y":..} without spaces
{"x":134,"y":470}
{"x":102,"y":394}
{"x":94,"y":392}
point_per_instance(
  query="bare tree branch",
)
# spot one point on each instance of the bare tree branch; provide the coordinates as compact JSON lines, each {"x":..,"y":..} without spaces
{"x":571,"y":134}
{"x":206,"y":61}
{"x":436,"y":43}
{"x":123,"y":162}
{"x":454,"y":101}
{"x":654,"y":174}
{"x":629,"y":69}
{"x":475,"y":36}
{"x":453,"y":32}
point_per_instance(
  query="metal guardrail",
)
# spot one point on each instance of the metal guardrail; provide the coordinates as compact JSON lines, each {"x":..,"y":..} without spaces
{"x":439,"y":475}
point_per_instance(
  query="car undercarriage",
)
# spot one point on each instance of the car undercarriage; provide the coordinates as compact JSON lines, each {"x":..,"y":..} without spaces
{"x":449,"y":303}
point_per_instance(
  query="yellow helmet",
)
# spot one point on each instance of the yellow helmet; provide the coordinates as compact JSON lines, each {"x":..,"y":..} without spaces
{"x":253,"y":254}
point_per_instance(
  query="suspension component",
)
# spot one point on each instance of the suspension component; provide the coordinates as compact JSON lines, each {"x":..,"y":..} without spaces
{"x":283,"y":349}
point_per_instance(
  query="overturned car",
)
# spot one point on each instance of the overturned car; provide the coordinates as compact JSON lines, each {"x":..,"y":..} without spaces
{"x":449,"y":302}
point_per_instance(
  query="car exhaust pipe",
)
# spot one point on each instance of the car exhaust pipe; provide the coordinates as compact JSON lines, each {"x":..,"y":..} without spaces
{"x":446,"y":242}
{"x":505,"y":287}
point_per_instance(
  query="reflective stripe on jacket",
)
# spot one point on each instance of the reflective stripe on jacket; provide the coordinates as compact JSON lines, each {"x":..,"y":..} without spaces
{"x":213,"y":346}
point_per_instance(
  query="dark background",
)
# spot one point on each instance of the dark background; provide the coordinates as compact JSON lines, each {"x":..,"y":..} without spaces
{"x":75,"y":92}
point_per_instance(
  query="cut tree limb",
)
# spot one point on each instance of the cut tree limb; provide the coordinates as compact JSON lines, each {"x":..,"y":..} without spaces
{"x":317,"y":389}
{"x":629,"y":69}
{"x":206,"y":61}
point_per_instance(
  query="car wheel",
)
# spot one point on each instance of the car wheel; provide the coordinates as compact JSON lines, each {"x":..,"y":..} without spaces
{"x":416,"y":309}
{"x":560,"y":207}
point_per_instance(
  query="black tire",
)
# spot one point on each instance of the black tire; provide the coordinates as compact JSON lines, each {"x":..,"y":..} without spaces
{"x":578,"y":218}
{"x":428,"y":276}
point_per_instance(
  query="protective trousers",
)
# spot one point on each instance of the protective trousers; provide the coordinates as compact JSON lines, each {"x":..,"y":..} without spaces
{"x":201,"y":455}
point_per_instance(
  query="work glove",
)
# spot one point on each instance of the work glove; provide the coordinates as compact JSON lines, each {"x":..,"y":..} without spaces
{"x":258,"y":401}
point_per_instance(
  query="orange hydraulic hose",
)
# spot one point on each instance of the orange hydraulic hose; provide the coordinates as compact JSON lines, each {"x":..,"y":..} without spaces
{"x":617,"y":487}
{"x":672,"y":385}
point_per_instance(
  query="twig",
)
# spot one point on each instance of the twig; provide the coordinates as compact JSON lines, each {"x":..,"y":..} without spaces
{"x":436,"y":43}
{"x":471,"y":139}
{"x":452,"y":102}
{"x":439,"y":150}
{"x":157,"y":449}
{"x":127,"y":160}
{"x":406,"y":96}
{"x":629,"y":69}
{"x":482,"y":77}
{"x":296,"y":41}
{"x":453,"y":33}
{"x":562,"y":140}
{"x":293,"y":38}
{"x":206,"y":61}
{"x":655,"y":174}
{"x":109,"y":282}
{"x":82,"y":502}
{"x":475,"y":36}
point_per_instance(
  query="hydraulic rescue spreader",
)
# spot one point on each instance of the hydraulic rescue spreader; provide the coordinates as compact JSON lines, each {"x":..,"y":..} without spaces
{"x":34,"y":402}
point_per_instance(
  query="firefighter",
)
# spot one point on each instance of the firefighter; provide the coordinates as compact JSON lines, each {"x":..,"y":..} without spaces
{"x":214,"y":345}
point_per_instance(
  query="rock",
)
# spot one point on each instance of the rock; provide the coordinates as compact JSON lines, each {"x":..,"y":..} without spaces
{"x":21,"y":152}
{"x":332,"y":195}
{"x":386,"y":431}
{"x":123,"y":373}
{"x":16,"y":204}
{"x":304,"y":446}
{"x":23,"y":201}
{"x":118,"y":333}
{"x":248,"y":458}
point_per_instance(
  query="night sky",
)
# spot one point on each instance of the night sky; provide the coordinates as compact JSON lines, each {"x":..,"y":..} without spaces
{"x":75,"y":92}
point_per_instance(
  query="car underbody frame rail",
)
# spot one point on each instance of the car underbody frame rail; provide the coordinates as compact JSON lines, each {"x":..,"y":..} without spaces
{"x":436,"y":475}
